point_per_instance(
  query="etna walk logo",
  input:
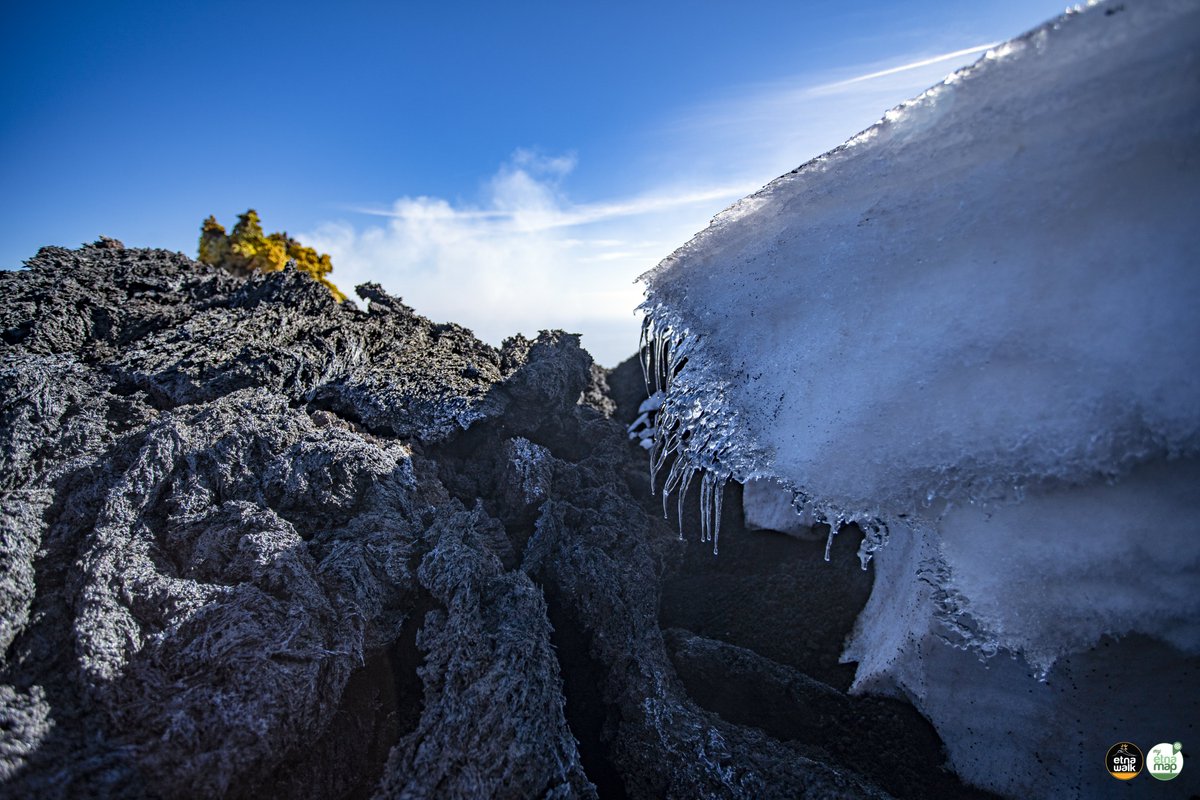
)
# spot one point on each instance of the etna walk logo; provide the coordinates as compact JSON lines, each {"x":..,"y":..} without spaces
{"x":1124,"y":761}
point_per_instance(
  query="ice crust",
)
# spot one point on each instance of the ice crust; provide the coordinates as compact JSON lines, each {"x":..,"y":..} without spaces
{"x":974,"y":329}
{"x":768,"y":506}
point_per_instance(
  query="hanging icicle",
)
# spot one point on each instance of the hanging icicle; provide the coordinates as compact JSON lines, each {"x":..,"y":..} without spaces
{"x":677,"y":441}
{"x":689,"y":432}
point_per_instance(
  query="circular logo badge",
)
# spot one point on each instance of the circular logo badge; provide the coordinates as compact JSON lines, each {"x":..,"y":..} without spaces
{"x":1165,"y":761}
{"x":1124,"y":761}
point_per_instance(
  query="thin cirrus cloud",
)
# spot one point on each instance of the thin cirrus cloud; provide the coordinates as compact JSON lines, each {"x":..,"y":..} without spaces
{"x":528,"y":256}
{"x":773,"y":127}
{"x":531,"y":220}
{"x":925,"y":62}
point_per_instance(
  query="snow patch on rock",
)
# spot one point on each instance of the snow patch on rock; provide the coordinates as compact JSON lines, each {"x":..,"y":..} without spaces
{"x":972,"y":330}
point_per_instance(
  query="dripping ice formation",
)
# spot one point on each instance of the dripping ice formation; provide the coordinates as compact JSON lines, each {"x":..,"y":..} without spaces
{"x":676,"y":424}
{"x":974,"y":330}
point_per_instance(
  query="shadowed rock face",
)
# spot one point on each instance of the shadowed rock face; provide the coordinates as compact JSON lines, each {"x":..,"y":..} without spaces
{"x":257,"y":543}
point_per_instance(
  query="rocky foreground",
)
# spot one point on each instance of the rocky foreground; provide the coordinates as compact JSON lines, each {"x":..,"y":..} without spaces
{"x":258,"y":543}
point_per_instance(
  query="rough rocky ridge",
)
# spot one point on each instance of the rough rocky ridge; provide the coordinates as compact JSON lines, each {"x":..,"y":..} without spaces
{"x":255,"y":542}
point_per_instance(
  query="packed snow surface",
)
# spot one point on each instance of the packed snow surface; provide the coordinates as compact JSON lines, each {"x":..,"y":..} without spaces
{"x":974,"y":329}
{"x":992,"y":290}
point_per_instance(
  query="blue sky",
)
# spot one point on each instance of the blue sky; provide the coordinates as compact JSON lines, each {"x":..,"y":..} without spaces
{"x":506,"y":166}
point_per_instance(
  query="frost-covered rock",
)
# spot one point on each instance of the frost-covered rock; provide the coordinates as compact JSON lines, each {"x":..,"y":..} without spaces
{"x":257,"y":543}
{"x":973,"y":330}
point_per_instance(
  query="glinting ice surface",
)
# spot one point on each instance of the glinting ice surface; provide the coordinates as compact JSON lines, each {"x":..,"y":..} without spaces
{"x":974,"y":328}
{"x":992,"y":290}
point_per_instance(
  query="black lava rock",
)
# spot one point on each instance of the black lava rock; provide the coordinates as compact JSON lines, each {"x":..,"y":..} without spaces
{"x":254,"y":542}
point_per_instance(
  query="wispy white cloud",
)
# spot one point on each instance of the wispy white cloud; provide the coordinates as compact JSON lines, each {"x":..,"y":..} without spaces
{"x":526,"y":257}
{"x":543,"y":217}
{"x":883,"y":73}
{"x":529,"y":256}
{"x":764,"y":130}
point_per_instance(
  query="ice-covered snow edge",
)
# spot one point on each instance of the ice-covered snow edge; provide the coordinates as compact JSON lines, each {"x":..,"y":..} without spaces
{"x":704,"y":369}
{"x":698,"y":434}
{"x":1035,"y":449}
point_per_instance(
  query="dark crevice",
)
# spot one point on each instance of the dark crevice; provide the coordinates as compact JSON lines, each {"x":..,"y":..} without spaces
{"x":471,"y":466}
{"x":768,"y":592}
{"x":122,"y":415}
{"x":755,"y":636}
{"x":588,"y":715}
{"x":326,"y":398}
{"x":746,"y":689}
{"x":125,"y":385}
{"x":459,"y":458}
{"x":17,"y":333}
{"x":381,"y":704}
{"x":405,"y":658}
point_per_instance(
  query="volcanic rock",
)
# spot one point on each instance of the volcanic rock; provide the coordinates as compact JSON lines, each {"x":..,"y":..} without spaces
{"x":256,"y":542}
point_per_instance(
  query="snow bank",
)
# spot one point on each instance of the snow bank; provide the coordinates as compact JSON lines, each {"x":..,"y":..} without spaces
{"x":974,"y":329}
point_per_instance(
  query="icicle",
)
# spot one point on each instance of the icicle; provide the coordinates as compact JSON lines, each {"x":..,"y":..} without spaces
{"x":660,"y":354}
{"x":688,"y":472}
{"x":665,"y":442}
{"x":652,"y":360}
{"x":718,"y":501}
{"x":653,"y":450}
{"x":673,"y":479}
{"x":675,"y":359}
{"x":682,"y":429}
{"x":644,"y":350}
{"x":834,"y":525}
